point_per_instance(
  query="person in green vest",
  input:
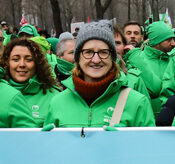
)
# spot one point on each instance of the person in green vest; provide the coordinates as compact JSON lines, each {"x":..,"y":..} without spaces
{"x":14,"y":110}
{"x":65,"y":56}
{"x":94,"y":87}
{"x":28,"y":71}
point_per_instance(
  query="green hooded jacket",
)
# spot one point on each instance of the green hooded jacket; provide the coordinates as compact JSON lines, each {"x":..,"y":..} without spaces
{"x":152,"y":63}
{"x":69,"y":109}
{"x":136,"y":82}
{"x":158,"y":62}
{"x":14,"y":110}
{"x":168,"y":82}
{"x":134,"y":59}
{"x":37,"y":101}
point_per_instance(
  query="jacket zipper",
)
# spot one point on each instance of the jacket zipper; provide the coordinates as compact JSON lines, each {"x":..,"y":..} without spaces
{"x":89,"y":121}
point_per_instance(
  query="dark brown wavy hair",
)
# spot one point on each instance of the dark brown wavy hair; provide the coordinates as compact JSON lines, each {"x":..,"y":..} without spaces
{"x":42,"y":67}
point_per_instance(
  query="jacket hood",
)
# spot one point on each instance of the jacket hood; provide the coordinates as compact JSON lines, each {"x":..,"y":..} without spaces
{"x":45,"y":46}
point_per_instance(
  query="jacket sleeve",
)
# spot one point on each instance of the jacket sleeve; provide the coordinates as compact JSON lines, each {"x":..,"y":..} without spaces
{"x":168,"y":82}
{"x":139,"y":85}
{"x":144,"y":116}
{"x":19,"y":114}
{"x":50,"y":119}
{"x":152,"y":82}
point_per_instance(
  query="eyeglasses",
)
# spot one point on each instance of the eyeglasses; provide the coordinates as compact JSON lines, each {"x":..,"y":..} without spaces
{"x":89,"y":54}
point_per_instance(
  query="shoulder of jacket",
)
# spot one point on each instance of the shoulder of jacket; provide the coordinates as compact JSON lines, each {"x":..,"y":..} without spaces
{"x":134,"y":71}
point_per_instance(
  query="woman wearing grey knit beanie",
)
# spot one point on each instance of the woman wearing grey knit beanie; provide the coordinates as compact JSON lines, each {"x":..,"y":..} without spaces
{"x":95,"y":85}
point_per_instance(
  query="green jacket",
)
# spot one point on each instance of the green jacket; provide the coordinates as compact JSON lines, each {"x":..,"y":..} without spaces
{"x":14,"y":111}
{"x":152,"y":63}
{"x":68,"y":109}
{"x":168,"y":82}
{"x":135,"y":59}
{"x":158,"y":62}
{"x":136,"y":82}
{"x":37,"y":101}
{"x":51,"y":58}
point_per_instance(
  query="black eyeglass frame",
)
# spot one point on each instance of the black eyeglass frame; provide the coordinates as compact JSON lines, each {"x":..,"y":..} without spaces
{"x":98,"y":53}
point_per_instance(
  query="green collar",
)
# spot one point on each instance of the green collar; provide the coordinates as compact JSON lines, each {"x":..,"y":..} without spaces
{"x":32,"y":86}
{"x":64,"y":66}
{"x":154,"y":53}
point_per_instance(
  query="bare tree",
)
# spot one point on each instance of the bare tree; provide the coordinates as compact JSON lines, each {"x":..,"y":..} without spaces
{"x":155,"y":10}
{"x":101,"y":8}
{"x":56,"y":16}
{"x":129,"y":10}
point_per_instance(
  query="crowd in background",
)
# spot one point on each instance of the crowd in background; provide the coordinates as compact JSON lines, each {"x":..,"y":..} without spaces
{"x":101,"y":75}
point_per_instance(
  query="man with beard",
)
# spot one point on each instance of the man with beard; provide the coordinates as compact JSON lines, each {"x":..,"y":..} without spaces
{"x":133,"y":33}
{"x":153,"y":61}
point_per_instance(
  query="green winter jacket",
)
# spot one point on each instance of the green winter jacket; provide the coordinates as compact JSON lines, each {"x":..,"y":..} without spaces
{"x":136,"y":82}
{"x":134,"y":59}
{"x":14,"y":111}
{"x":68,"y":109}
{"x":168,"y":82}
{"x":152,"y":63}
{"x":158,"y":62}
{"x":37,"y":101}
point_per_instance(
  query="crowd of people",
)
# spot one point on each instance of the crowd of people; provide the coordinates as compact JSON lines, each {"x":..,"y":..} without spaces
{"x":101,"y":75}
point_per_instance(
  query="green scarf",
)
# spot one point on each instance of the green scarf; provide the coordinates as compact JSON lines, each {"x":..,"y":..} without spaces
{"x":64,"y":66}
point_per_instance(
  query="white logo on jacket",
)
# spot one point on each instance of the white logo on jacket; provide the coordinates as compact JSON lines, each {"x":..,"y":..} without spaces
{"x":108,"y":115}
{"x":35,"y":111}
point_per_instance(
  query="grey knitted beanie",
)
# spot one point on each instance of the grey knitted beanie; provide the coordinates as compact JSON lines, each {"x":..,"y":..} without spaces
{"x":101,"y":30}
{"x":65,"y":35}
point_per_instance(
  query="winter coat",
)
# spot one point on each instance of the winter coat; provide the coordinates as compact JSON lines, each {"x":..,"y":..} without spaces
{"x":69,"y":109}
{"x":14,"y":111}
{"x":158,"y":62}
{"x":37,"y":101}
{"x":168,"y":82}
{"x":134,"y":59}
{"x":136,"y":82}
{"x":152,"y":63}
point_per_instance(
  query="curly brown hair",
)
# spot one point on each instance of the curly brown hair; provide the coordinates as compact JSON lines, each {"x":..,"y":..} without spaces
{"x":42,"y":67}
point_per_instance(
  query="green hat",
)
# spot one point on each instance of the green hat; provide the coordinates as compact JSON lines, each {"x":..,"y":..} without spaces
{"x":29,"y":29}
{"x":42,"y":42}
{"x":158,"y":32}
{"x":53,"y":41}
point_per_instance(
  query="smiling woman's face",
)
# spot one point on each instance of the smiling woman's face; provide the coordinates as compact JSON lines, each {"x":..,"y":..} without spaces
{"x":95,"y":69}
{"x":21,"y":64}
